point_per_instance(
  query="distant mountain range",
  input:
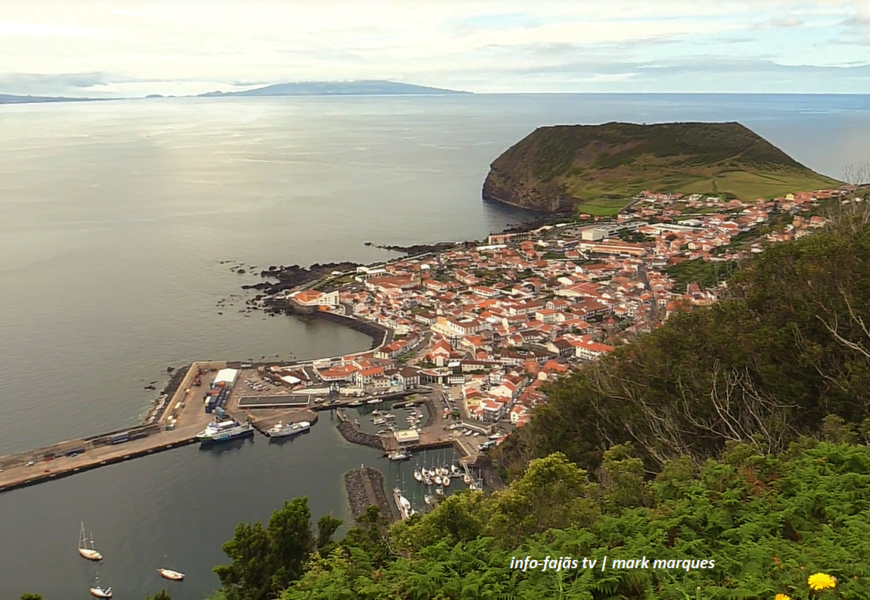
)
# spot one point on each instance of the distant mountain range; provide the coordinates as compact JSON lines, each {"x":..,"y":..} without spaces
{"x":313,"y":88}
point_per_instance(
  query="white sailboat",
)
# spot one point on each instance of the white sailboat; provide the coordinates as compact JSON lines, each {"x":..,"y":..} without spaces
{"x":88,"y":552}
{"x":170,"y":574}
{"x":97,"y":591}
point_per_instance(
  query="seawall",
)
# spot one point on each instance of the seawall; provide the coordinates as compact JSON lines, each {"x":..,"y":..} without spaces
{"x":378,"y":333}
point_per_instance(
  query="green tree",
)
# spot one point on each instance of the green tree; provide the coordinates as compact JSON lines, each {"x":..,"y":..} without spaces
{"x":28,"y":596}
{"x":327,"y":525}
{"x":161,"y":595}
{"x":265,"y":561}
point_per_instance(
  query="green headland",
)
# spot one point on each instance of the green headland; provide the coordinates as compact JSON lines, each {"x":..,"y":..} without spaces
{"x":554,"y":169}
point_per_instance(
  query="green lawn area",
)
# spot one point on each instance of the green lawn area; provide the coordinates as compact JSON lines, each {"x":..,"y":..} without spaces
{"x":603,"y":206}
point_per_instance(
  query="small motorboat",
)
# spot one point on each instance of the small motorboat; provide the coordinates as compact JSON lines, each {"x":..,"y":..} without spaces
{"x":171,"y":575}
{"x":98,"y":591}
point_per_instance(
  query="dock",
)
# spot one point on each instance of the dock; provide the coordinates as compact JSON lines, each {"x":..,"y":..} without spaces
{"x":178,"y":416}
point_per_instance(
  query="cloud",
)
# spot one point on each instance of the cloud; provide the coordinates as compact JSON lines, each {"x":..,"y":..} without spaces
{"x":197,"y":45}
{"x":50,"y":84}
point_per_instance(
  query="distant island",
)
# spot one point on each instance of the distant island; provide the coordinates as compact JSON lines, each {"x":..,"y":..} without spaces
{"x":349,"y":88}
{"x":555,"y":169}
{"x":311,"y":88}
{"x":12,"y":99}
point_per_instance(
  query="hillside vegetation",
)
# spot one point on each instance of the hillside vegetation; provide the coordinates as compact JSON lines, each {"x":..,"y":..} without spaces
{"x":555,"y":168}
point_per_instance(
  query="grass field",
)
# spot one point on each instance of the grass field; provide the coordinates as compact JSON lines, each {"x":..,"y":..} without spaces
{"x":603,"y":207}
{"x":745,"y":185}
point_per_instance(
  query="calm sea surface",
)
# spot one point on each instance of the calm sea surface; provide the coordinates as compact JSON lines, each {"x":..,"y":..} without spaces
{"x":114,"y":220}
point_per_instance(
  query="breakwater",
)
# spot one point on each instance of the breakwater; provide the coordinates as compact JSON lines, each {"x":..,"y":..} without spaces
{"x":365,"y":487}
{"x":353,"y":435}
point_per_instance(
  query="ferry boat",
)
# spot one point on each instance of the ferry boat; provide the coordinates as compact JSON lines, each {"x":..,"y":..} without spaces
{"x":224,"y":431}
{"x":171,"y":575}
{"x":284,"y":429}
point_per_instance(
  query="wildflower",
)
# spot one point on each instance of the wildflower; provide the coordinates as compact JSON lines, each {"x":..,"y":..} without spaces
{"x":782,"y":597}
{"x":822,"y":581}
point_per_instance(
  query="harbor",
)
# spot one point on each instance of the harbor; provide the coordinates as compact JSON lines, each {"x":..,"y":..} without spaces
{"x":233,"y":395}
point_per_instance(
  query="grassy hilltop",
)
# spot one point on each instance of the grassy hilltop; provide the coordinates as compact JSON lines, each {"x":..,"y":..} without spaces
{"x":555,"y":168}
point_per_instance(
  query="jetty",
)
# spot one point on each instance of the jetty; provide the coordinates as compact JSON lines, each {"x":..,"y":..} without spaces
{"x":181,"y":412}
{"x":365,"y":487}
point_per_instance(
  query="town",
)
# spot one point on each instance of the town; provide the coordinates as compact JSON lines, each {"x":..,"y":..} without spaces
{"x":494,"y":322}
{"x":464,"y":338}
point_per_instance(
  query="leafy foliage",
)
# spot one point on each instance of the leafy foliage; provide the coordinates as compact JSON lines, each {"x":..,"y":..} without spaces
{"x":767,"y":522}
{"x":265,"y":561}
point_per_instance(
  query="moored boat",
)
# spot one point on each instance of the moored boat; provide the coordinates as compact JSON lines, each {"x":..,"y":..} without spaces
{"x":400,"y":455}
{"x":224,"y":431}
{"x":171,"y":575}
{"x":85,"y":550}
{"x":97,"y":591}
{"x":284,"y":429}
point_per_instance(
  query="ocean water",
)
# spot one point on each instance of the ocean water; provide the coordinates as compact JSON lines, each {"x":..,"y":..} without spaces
{"x":115,"y":218}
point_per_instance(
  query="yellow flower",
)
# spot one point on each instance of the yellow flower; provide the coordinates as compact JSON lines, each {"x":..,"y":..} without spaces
{"x":782,"y":597}
{"x":822,"y":581}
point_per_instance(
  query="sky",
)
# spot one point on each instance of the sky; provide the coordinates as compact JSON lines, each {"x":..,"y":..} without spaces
{"x":129,"y":48}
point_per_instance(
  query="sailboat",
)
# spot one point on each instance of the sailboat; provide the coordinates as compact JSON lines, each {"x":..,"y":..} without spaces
{"x":89,"y":553}
{"x":98,"y":592}
{"x":170,"y":574}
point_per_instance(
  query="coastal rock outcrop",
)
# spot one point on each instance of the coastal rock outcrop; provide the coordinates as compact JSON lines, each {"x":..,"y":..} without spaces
{"x":554,"y":169}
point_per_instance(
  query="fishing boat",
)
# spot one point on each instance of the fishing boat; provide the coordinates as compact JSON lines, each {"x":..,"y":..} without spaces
{"x":379,"y":421}
{"x":97,"y":591}
{"x":86,"y":551}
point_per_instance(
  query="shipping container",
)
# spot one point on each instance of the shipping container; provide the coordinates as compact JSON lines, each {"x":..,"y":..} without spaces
{"x":138,"y":435}
{"x":75,"y":451}
{"x":119,"y":439}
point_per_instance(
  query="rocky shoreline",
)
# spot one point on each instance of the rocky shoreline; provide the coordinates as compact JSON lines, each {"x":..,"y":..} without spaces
{"x":159,"y":406}
{"x":421,"y":248}
{"x":365,"y":487}
{"x":293,"y":276}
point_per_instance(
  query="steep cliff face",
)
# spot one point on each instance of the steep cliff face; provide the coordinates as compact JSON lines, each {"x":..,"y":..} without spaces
{"x":553,"y":169}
